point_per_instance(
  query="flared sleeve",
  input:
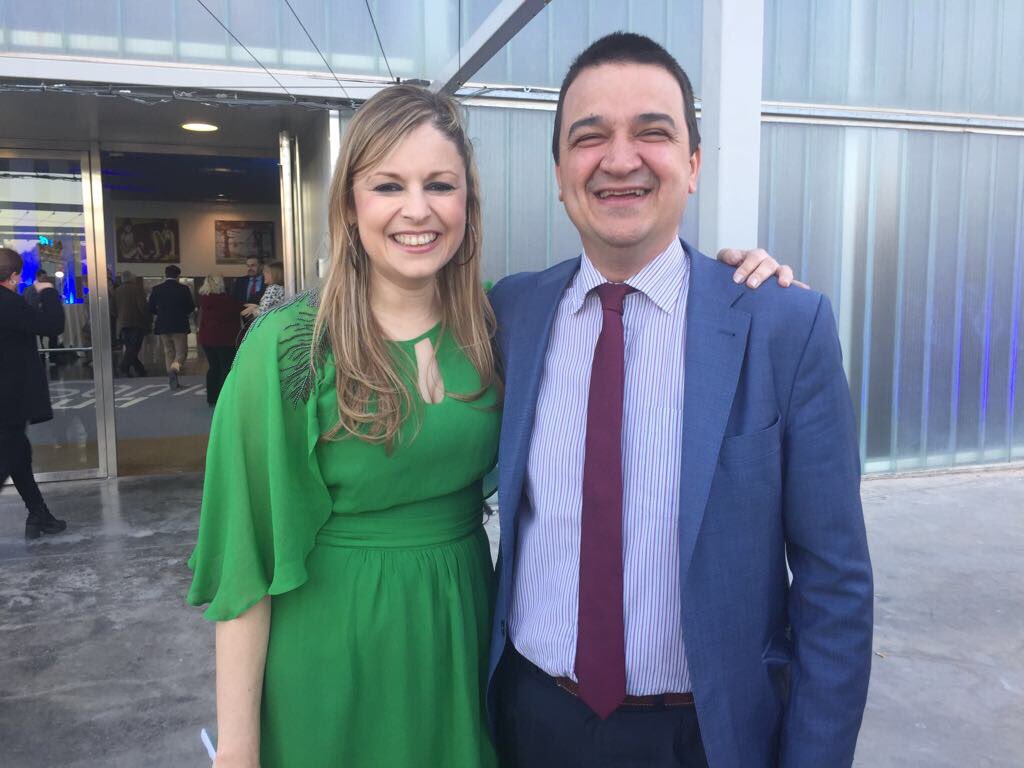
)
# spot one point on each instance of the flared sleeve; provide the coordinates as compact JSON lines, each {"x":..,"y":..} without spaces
{"x":264,"y":499}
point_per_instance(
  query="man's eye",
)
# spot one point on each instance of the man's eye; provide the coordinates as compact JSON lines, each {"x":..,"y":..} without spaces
{"x":655,"y":133}
{"x":440,"y":186}
{"x":588,"y":139}
{"x":389,"y":187}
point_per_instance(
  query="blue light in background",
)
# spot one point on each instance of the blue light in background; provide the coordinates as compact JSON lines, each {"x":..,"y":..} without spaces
{"x":30,"y":265}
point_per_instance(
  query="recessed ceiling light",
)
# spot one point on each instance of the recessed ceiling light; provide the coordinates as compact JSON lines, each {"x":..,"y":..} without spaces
{"x":199,"y":127}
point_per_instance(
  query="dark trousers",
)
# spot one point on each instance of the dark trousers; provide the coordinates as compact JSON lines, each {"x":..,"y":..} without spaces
{"x":219,"y":360}
{"x":16,"y":463}
{"x":542,"y":725}
{"x":132,"y":339}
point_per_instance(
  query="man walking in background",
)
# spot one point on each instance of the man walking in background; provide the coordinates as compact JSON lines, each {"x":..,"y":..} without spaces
{"x":24,"y":390}
{"x":133,"y":319}
{"x":172,"y":303}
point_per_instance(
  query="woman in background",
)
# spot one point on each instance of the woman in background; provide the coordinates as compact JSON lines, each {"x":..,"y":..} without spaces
{"x":218,"y":329}
{"x":273,"y":295}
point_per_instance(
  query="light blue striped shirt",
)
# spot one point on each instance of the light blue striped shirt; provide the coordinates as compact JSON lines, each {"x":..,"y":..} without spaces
{"x":545,"y":598}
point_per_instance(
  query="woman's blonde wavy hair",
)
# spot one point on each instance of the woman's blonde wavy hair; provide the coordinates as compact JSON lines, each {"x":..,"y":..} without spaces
{"x":373,"y":397}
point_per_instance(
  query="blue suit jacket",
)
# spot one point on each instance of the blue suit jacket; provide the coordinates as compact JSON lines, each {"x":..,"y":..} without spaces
{"x":770,"y":476}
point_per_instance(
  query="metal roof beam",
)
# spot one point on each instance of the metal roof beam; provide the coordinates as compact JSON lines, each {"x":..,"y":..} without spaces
{"x":497,"y":29}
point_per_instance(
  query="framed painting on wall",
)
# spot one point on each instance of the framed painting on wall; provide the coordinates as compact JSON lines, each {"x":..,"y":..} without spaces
{"x":241,"y":240}
{"x":147,"y":241}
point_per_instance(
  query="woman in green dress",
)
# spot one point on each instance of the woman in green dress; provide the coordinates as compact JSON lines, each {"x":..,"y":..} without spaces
{"x":341,"y":547}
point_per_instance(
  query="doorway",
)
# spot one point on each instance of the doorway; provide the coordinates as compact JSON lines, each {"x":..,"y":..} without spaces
{"x":70,"y":169}
{"x":208,"y":215}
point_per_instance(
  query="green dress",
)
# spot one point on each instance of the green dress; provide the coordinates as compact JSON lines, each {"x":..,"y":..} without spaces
{"x":378,"y":565}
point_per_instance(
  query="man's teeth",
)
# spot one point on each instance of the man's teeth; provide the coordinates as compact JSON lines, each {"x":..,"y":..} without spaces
{"x":423,"y":239}
{"x":622,"y":193}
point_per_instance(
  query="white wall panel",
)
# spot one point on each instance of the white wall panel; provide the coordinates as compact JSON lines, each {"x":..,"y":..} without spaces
{"x":918,"y":238}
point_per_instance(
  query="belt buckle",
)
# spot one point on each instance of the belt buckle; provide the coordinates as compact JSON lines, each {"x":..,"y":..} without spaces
{"x":566,"y":685}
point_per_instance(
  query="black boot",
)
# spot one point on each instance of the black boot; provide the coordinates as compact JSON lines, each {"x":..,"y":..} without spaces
{"x":40,"y":521}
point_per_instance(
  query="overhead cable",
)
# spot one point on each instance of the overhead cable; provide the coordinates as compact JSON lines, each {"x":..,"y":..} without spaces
{"x":317,"y":48}
{"x":379,"y":43}
{"x":253,"y":55}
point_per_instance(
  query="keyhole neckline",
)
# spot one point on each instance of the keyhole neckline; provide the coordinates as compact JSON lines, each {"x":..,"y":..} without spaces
{"x":431,"y":334}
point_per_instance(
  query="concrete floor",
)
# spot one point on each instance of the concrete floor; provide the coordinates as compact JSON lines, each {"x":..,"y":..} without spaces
{"x":104,"y":664}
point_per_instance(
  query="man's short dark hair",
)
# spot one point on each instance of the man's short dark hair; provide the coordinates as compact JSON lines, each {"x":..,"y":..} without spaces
{"x":172,"y":270}
{"x":10,"y":264}
{"x":628,"y":48}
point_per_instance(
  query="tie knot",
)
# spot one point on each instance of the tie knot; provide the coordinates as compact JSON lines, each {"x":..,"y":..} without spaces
{"x":612,"y":295}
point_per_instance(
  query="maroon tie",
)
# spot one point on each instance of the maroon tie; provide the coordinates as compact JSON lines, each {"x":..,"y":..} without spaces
{"x":600,"y":645}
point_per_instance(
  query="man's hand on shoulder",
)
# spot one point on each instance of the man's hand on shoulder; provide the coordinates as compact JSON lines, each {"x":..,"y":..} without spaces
{"x":755,"y":266}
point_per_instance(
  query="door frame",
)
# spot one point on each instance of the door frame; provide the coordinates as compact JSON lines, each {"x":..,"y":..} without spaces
{"x":99,"y":298}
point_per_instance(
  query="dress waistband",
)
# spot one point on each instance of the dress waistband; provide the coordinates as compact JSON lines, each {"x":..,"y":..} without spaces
{"x":423,"y":523}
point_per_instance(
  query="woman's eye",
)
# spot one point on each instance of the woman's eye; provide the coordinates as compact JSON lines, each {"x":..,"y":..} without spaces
{"x":389,"y":187}
{"x":440,"y":186}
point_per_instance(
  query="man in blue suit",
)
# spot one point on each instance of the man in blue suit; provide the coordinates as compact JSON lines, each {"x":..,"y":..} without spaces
{"x":672,"y":442}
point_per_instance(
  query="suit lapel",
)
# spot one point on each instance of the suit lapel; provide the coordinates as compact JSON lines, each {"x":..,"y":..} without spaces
{"x":716,"y":340}
{"x":527,"y":348}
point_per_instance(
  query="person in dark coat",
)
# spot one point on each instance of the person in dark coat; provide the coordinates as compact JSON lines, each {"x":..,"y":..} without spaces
{"x":172,"y":304}
{"x":249,"y":288}
{"x":133,"y":320}
{"x":219,"y":325}
{"x":24,"y":390}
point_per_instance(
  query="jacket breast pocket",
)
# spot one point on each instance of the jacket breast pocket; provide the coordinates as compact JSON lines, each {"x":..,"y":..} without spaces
{"x":751,"y":447}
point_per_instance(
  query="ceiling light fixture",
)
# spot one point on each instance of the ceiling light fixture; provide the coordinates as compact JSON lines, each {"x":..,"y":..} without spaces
{"x":199,"y":127}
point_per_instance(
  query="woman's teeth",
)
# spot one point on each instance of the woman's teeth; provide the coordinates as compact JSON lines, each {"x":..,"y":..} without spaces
{"x":423,"y":239}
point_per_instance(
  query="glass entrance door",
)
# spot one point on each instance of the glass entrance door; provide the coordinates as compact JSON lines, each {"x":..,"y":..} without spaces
{"x":46,"y":216}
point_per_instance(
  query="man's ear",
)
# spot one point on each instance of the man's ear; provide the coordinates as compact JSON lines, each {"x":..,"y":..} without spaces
{"x":695,"y":159}
{"x":558,"y":181}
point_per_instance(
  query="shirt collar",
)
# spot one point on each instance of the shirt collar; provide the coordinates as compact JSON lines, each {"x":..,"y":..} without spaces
{"x":660,"y":280}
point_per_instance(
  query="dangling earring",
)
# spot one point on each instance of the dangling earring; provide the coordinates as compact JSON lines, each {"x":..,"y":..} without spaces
{"x":356,"y":245}
{"x":470,"y":235}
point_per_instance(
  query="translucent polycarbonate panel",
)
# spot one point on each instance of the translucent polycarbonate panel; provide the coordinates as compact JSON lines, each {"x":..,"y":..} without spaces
{"x":525,"y":225}
{"x":918,"y":239}
{"x":543,"y":50}
{"x":417,"y":38}
{"x":942,"y":55}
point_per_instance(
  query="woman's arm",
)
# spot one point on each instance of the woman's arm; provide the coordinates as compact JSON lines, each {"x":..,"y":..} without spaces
{"x":241,"y":657}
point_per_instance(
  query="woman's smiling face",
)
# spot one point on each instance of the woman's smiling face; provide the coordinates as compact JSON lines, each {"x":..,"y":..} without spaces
{"x":411,"y":209}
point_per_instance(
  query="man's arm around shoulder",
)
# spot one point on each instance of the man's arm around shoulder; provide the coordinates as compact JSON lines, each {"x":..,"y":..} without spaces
{"x":830,"y":599}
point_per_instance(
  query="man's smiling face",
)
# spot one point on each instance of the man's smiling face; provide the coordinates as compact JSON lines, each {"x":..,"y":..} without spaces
{"x":625,"y":169}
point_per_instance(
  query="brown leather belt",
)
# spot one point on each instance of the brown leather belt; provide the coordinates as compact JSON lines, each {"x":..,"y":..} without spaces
{"x":654,"y":700}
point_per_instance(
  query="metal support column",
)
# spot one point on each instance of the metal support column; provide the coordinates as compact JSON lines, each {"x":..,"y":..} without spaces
{"x":731,"y":123}
{"x":100,"y":300}
{"x":288,"y":230}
